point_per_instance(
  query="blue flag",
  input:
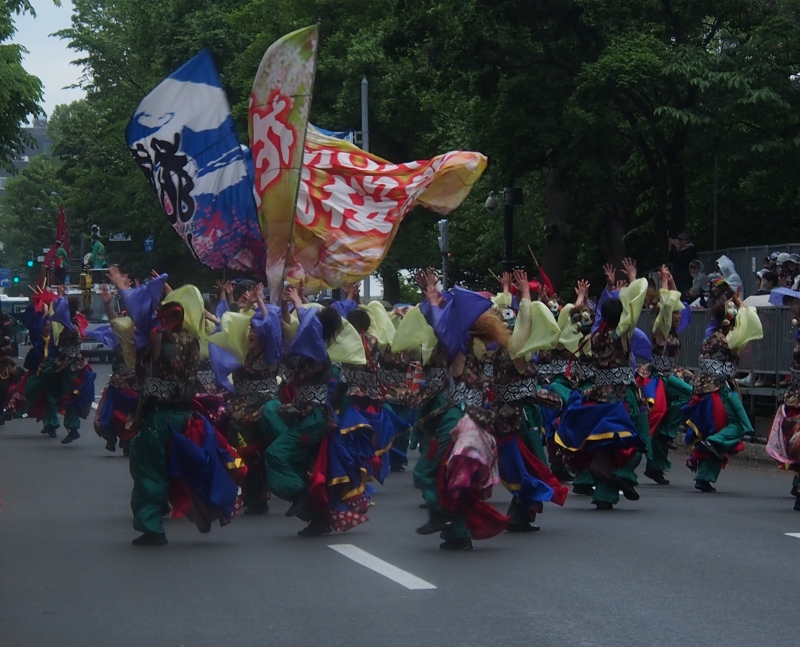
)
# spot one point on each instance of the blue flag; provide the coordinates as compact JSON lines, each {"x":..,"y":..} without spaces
{"x":182,"y":137}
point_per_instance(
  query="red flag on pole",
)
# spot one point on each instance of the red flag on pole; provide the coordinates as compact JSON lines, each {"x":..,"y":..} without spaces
{"x":62,"y":234}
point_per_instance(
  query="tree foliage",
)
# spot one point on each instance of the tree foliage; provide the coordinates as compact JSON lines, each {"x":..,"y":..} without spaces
{"x":609,"y":114}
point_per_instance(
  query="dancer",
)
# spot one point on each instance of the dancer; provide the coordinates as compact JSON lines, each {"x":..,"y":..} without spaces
{"x":664,"y":383}
{"x":176,"y":457}
{"x":603,"y":425}
{"x":255,"y":342}
{"x":784,"y":437}
{"x":715,"y":418}
{"x":515,"y":402}
{"x":309,"y":462}
{"x":459,"y":468}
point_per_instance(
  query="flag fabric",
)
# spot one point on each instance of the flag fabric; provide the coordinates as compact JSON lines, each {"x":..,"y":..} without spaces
{"x":277,"y":118}
{"x":183,"y":138}
{"x":62,"y":234}
{"x":351,"y":204}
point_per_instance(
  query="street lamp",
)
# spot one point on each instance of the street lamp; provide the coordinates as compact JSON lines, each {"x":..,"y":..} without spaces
{"x":512,"y":196}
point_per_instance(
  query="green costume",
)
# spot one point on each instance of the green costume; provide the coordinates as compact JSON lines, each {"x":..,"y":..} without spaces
{"x":148,"y":465}
{"x":98,"y":255}
{"x":678,"y":394}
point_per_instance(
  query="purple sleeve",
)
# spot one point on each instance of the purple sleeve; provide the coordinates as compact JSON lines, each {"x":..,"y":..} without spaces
{"x":308,"y":341}
{"x":269,"y":333}
{"x":61,"y":313}
{"x":686,"y":318}
{"x":104,"y":334}
{"x":452,"y":322}
{"x":640,"y":345}
{"x":223,"y":363}
{"x":345,"y":307}
{"x":141,"y":304}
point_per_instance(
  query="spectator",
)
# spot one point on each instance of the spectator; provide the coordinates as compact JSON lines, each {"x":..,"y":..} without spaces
{"x":699,"y":281}
{"x":793,"y":271}
{"x":681,"y":253}
{"x":728,"y":271}
{"x":765,"y":282}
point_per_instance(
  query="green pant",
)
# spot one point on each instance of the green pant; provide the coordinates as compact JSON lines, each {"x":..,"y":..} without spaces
{"x":52,"y":385}
{"x":428,"y":467}
{"x":727,"y":438}
{"x":148,"y":466}
{"x":584,"y":478}
{"x":290,"y":457}
{"x":678,"y":394}
{"x":531,"y":437}
{"x":609,"y":493}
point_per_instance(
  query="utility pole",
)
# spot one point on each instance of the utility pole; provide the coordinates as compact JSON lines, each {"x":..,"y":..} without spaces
{"x":512,"y":196}
{"x":365,"y":148}
{"x":444,"y":245}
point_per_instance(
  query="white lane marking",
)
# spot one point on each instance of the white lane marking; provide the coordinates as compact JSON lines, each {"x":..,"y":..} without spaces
{"x":395,"y":574}
{"x":796,"y":535}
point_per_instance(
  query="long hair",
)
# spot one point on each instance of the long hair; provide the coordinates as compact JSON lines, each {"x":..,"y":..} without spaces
{"x":490,"y":327}
{"x":331,"y":322}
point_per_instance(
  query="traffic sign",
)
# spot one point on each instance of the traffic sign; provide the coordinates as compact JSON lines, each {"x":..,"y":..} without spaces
{"x":149,"y":243}
{"x":5,"y":271}
{"x":5,"y":282}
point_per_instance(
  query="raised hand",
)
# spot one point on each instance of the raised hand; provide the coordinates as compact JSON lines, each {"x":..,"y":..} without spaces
{"x":505,"y":282}
{"x":611,"y":274}
{"x":665,"y":275}
{"x":622,"y":283}
{"x":582,"y":293}
{"x":629,"y":267}
{"x":521,"y":283}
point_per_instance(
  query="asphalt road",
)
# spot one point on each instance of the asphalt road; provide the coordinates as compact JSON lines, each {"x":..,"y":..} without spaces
{"x":675,"y":568}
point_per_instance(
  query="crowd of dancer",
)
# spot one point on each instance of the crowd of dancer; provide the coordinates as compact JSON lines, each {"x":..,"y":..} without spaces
{"x":317,"y":403}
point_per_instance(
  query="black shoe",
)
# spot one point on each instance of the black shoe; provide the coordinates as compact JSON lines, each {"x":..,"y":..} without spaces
{"x":602,"y":505}
{"x":465,"y":543}
{"x":794,"y":491}
{"x":256,"y":508}
{"x":658,"y":477}
{"x":151,"y":539}
{"x":671,"y":445}
{"x":111,"y":446}
{"x":528,"y":527}
{"x":564,"y":476}
{"x":126,"y":451}
{"x":704,"y":486}
{"x":397,"y":468}
{"x":298,"y":507}
{"x":166,"y":510}
{"x":436,"y":523}
{"x":582,"y":488}
{"x":317,"y":528}
{"x":49,"y":431}
{"x":797,"y":504}
{"x":628,"y":490}
{"x":423,"y":506}
{"x":72,"y":434}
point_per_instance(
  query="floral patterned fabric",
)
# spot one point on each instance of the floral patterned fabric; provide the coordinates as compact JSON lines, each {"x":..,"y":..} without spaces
{"x":714,"y":348}
{"x":176,"y":366}
{"x":608,"y":353}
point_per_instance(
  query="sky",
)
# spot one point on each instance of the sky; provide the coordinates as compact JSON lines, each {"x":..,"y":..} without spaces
{"x":48,"y":56}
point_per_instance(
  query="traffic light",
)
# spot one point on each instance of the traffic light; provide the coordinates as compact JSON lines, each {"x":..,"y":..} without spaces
{"x":15,"y":276}
{"x":30,"y":258}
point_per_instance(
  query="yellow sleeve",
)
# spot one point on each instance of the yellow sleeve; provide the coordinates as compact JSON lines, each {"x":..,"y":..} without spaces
{"x":123,"y":328}
{"x":748,"y":328}
{"x":233,"y":334}
{"x":669,"y":303}
{"x":632,"y":298}
{"x":522,"y":329}
{"x":381,"y":326}
{"x":347,"y":347}
{"x":289,"y":330}
{"x":565,"y":315}
{"x":413,"y":332}
{"x":543,"y":330}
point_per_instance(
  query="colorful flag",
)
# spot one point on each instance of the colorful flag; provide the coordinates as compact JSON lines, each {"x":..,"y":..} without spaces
{"x":278,"y":115}
{"x":182,"y":137}
{"x":351,"y":204}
